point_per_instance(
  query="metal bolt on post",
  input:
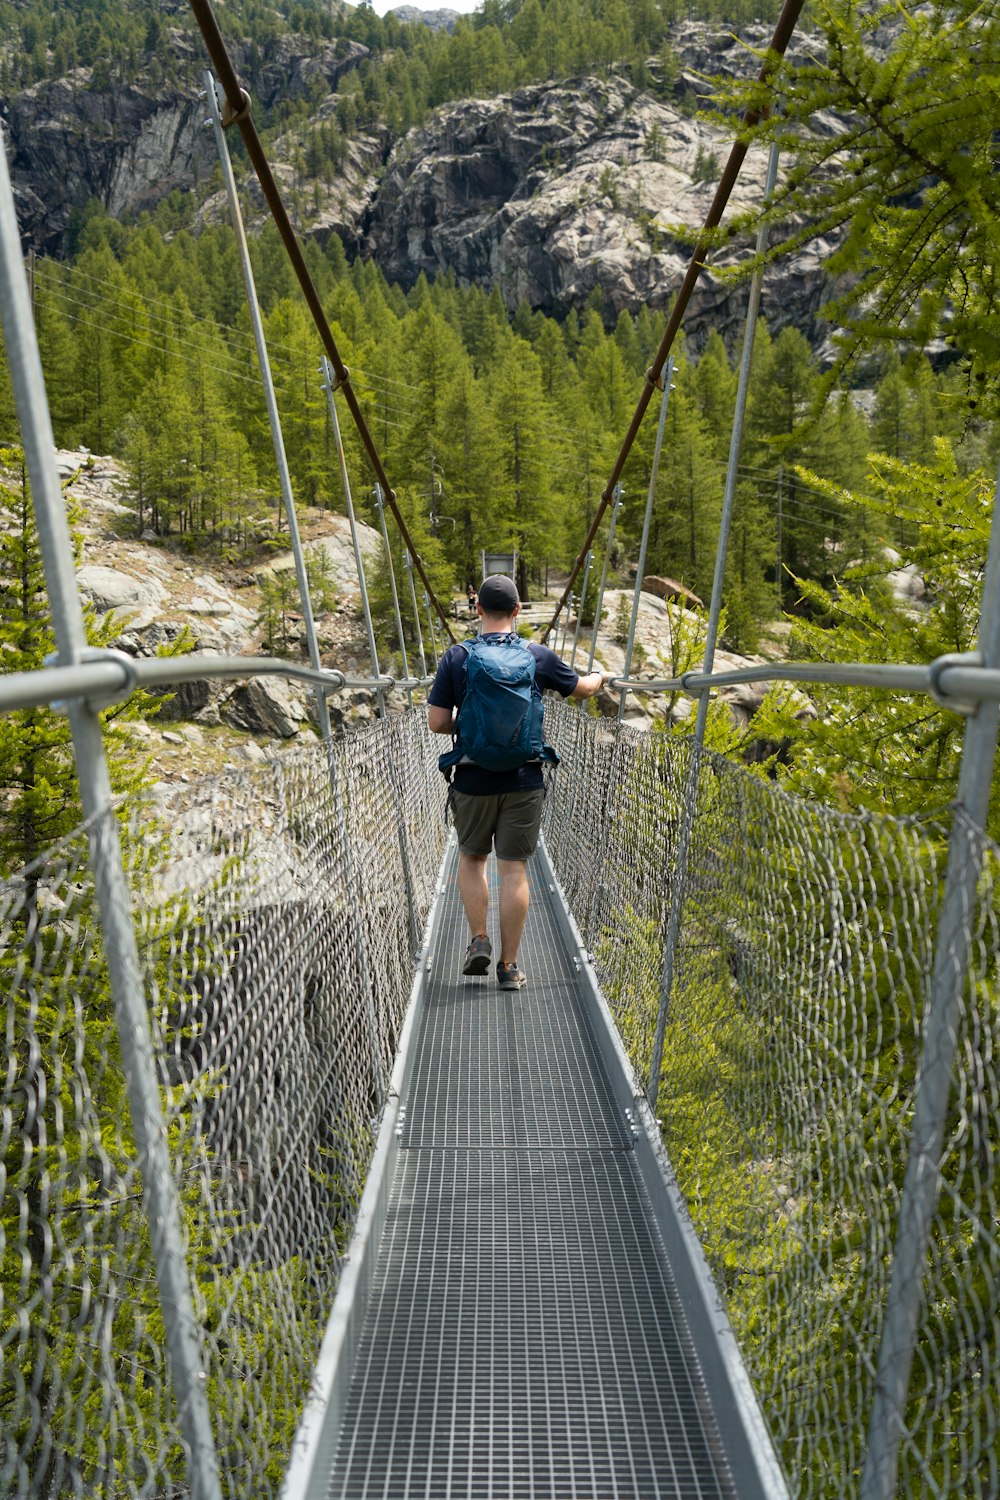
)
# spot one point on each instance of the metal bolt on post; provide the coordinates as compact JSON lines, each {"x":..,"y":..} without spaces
{"x":599,"y":608}
{"x":679,"y":881}
{"x":646,"y":523}
{"x":160,"y":1198}
{"x":380,"y":507}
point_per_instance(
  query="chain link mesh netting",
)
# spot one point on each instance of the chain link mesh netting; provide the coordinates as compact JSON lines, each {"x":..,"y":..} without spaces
{"x":276,"y":911}
{"x":792,"y":1043}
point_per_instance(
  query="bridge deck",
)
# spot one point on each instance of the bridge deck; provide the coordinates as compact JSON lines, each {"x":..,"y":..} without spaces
{"x":524,"y":1336}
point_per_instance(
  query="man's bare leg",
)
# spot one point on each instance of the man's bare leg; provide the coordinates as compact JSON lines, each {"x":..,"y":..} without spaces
{"x":473,"y":890}
{"x":513,"y":906}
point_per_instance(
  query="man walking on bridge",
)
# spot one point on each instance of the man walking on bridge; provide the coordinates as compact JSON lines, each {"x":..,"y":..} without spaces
{"x":498,"y":790}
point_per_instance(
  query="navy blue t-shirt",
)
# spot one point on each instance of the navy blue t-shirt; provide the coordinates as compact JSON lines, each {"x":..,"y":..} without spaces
{"x":449,"y":690}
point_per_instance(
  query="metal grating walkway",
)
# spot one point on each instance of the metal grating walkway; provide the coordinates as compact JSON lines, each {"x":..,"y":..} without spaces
{"x":524,"y":1336}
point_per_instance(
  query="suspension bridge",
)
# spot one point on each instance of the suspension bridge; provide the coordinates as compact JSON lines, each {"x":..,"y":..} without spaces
{"x":291,"y":1209}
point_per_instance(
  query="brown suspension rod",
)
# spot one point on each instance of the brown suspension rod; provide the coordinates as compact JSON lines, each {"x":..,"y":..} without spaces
{"x":238,"y":113}
{"x":782,"y":35}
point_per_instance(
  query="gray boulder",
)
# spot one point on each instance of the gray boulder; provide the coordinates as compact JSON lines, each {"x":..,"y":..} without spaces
{"x":108,"y":588}
{"x":266,"y":705}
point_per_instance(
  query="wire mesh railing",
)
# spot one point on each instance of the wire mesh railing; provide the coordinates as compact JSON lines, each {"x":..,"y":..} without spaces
{"x":790,"y":1069}
{"x":274,"y":911}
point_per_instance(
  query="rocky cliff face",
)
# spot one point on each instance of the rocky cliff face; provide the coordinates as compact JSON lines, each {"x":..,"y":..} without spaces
{"x":128,"y":144}
{"x":551,"y":192}
{"x":545,"y":193}
{"x":438,"y":20}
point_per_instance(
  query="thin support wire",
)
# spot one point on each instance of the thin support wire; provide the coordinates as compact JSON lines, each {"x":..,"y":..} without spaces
{"x":380,"y":507}
{"x":783,"y":30}
{"x":565,"y":625}
{"x":329,"y":386}
{"x":416,"y":615}
{"x":430,"y":627}
{"x":583,"y":601}
{"x":411,"y":904}
{"x":932,"y":1090}
{"x":238,"y":112}
{"x":640,"y":568}
{"x":160,"y":1199}
{"x":277,"y":438}
{"x":599,"y":607}
{"x":691,"y":792}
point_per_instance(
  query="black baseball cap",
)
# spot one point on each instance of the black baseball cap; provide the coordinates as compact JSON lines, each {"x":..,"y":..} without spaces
{"x":498,"y":595}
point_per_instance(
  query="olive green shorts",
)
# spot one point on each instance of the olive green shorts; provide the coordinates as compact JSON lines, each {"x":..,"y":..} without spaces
{"x":510,"y":821}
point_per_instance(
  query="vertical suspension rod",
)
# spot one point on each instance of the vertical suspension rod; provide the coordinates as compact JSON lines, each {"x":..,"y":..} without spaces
{"x":679,"y":882}
{"x":647,"y":520}
{"x":922,"y":1181}
{"x":782,"y":35}
{"x":416,"y":614}
{"x":274,"y":420}
{"x":237,"y":112}
{"x":583,"y":601}
{"x":329,"y":386}
{"x":380,"y":507}
{"x":599,"y":605}
{"x":160,"y":1197}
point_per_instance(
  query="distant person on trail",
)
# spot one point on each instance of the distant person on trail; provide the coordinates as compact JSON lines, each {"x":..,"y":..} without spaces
{"x":487,"y":694}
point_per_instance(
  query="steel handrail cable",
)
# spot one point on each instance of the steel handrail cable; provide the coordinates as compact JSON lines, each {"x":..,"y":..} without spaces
{"x":238,"y":113}
{"x":787,"y":21}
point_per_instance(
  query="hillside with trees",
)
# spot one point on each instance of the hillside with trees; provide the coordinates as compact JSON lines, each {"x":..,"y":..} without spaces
{"x":498,"y":429}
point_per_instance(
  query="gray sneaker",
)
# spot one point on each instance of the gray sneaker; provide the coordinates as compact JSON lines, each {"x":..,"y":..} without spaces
{"x":510,"y":977}
{"x":477,"y":955}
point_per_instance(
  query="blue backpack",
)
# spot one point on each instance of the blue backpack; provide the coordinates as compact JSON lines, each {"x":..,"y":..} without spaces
{"x":500,"y":722}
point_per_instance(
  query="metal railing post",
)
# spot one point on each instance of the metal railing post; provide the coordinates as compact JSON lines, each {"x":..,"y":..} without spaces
{"x":329,"y":387}
{"x":161,"y":1201}
{"x":599,"y":607}
{"x":647,"y":520}
{"x":380,"y":507}
{"x":672,"y":937}
{"x":277,"y":439}
{"x":921,"y":1183}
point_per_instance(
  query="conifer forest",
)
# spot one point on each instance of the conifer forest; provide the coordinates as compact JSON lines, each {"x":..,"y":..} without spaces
{"x":864,"y":490}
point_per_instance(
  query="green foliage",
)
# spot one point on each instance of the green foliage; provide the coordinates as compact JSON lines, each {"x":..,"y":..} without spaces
{"x":40,"y":802}
{"x":872,"y":749}
{"x":910,"y":177}
{"x":70,"y":1151}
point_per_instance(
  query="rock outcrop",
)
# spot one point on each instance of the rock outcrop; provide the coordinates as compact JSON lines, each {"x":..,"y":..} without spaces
{"x":550,"y":193}
{"x":547,"y":193}
{"x":128,"y":144}
{"x":441,"y":19}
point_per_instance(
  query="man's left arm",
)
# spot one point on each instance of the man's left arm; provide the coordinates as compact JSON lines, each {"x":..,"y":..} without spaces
{"x":439,"y":720}
{"x":554,"y":673}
